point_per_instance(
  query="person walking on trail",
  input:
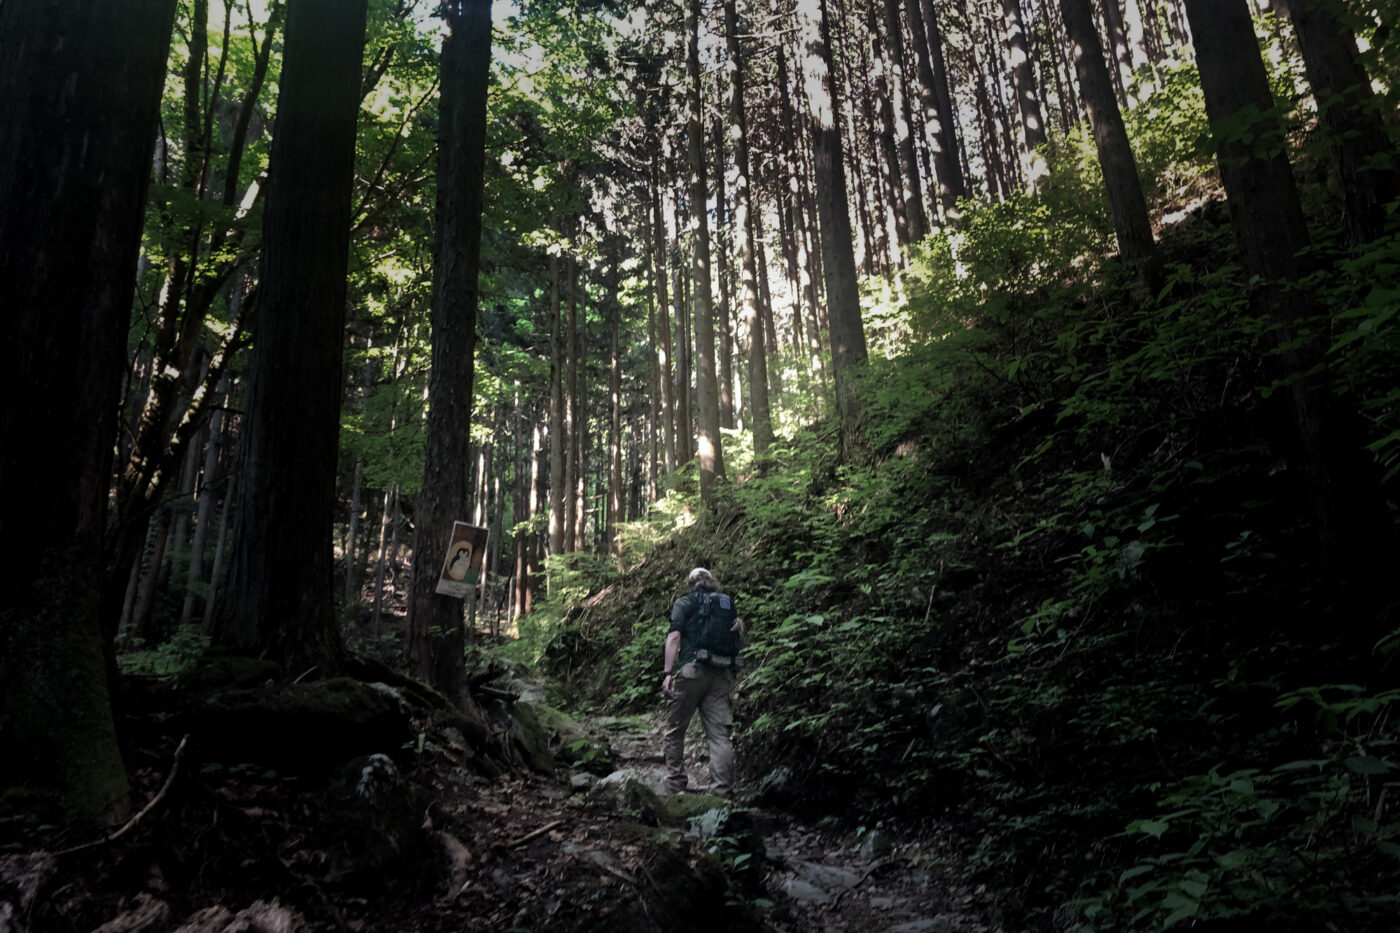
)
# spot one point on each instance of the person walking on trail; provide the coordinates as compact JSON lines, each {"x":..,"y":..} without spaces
{"x":702,"y":659}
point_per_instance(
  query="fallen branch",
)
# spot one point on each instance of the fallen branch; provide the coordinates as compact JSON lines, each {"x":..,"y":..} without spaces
{"x":615,"y":872}
{"x":535,"y":835}
{"x":160,"y":795}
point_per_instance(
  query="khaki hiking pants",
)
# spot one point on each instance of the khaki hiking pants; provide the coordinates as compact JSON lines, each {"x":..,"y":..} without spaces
{"x":705,"y":689}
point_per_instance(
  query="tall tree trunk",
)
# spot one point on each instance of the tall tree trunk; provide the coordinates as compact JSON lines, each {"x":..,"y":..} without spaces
{"x":744,"y":218}
{"x":436,"y":634}
{"x":1363,"y":161}
{"x":578,"y":318}
{"x":1138,"y":46}
{"x":1267,"y":218}
{"x":574,"y":416}
{"x":82,"y":86}
{"x":886,"y":83}
{"x":710,"y":448}
{"x":998,"y":172}
{"x":1118,"y":44}
{"x":847,"y":330}
{"x":1125,"y":199}
{"x":724,"y":336}
{"x":937,"y":102}
{"x":1027,"y":94}
{"x":204,"y":516}
{"x":558,"y":411}
{"x":665,"y":380}
{"x":911,"y":189}
{"x":614,"y":306}
{"x":216,"y":569}
{"x":383,"y":570}
{"x":653,"y":425}
{"x":279,"y":601}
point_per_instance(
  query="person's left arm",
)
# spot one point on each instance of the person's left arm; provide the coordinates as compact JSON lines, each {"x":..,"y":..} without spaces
{"x":673,"y":648}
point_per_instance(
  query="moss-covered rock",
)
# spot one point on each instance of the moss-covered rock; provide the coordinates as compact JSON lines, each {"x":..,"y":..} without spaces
{"x":530,"y":738}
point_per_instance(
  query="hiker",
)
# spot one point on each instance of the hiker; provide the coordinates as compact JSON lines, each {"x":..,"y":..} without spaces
{"x":702,"y":658}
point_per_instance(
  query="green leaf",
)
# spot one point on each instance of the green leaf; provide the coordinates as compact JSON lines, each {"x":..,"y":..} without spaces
{"x":1365,"y":764}
{"x":1134,"y":872}
{"x":1153,"y":828}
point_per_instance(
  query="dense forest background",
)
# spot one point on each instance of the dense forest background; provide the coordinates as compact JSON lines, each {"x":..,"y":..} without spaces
{"x":1026,"y":369}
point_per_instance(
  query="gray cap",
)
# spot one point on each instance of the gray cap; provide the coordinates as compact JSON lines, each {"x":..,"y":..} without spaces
{"x":698,"y":574}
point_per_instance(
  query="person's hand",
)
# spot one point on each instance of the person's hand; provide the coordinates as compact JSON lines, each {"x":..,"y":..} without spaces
{"x":666,"y":689}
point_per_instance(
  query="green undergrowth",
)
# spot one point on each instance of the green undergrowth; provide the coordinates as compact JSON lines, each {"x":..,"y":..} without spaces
{"x":1066,"y":602}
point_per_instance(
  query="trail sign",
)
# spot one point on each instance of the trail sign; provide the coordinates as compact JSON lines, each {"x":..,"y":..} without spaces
{"x":461,"y":568}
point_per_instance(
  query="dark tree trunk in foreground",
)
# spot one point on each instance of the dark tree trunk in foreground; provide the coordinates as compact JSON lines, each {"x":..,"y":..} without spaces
{"x":436,"y":632}
{"x":279,"y":598}
{"x":1363,"y":161}
{"x":82,"y":86}
{"x":1265,"y":212}
{"x":838,"y":256}
{"x":1125,"y":198}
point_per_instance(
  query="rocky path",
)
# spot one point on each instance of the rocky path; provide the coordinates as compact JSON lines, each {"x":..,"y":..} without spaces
{"x":810,"y":878}
{"x":574,"y":833}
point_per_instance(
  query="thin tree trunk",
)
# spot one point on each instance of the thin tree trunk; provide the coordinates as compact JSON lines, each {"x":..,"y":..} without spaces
{"x":216,"y":571}
{"x":578,"y":318}
{"x":937,"y":105}
{"x":744,"y":227}
{"x":558,"y":412}
{"x":573,"y":427}
{"x":911,"y":189}
{"x":1027,"y":94}
{"x":614,"y":304}
{"x":381,"y":567}
{"x":205,"y":509}
{"x":724,"y":337}
{"x":663,"y":323}
{"x":1118,"y":44}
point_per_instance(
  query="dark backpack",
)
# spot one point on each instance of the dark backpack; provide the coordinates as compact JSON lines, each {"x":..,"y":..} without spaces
{"x":713,"y":638}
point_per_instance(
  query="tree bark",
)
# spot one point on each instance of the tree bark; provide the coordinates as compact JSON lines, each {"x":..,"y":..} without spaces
{"x":558,"y":411}
{"x":207,"y":498}
{"x":724,"y":325}
{"x":937,"y":102}
{"x":759,"y":410}
{"x":1118,"y":44}
{"x":279,"y":601}
{"x":710,"y":450}
{"x":665,"y":379}
{"x":1270,"y":230}
{"x":911,"y":188}
{"x":82,"y":85}
{"x":614,"y":304}
{"x":1027,"y":94}
{"x":844,"y":321}
{"x":436,"y":635}
{"x":1363,"y":161}
{"x":1125,"y":198}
